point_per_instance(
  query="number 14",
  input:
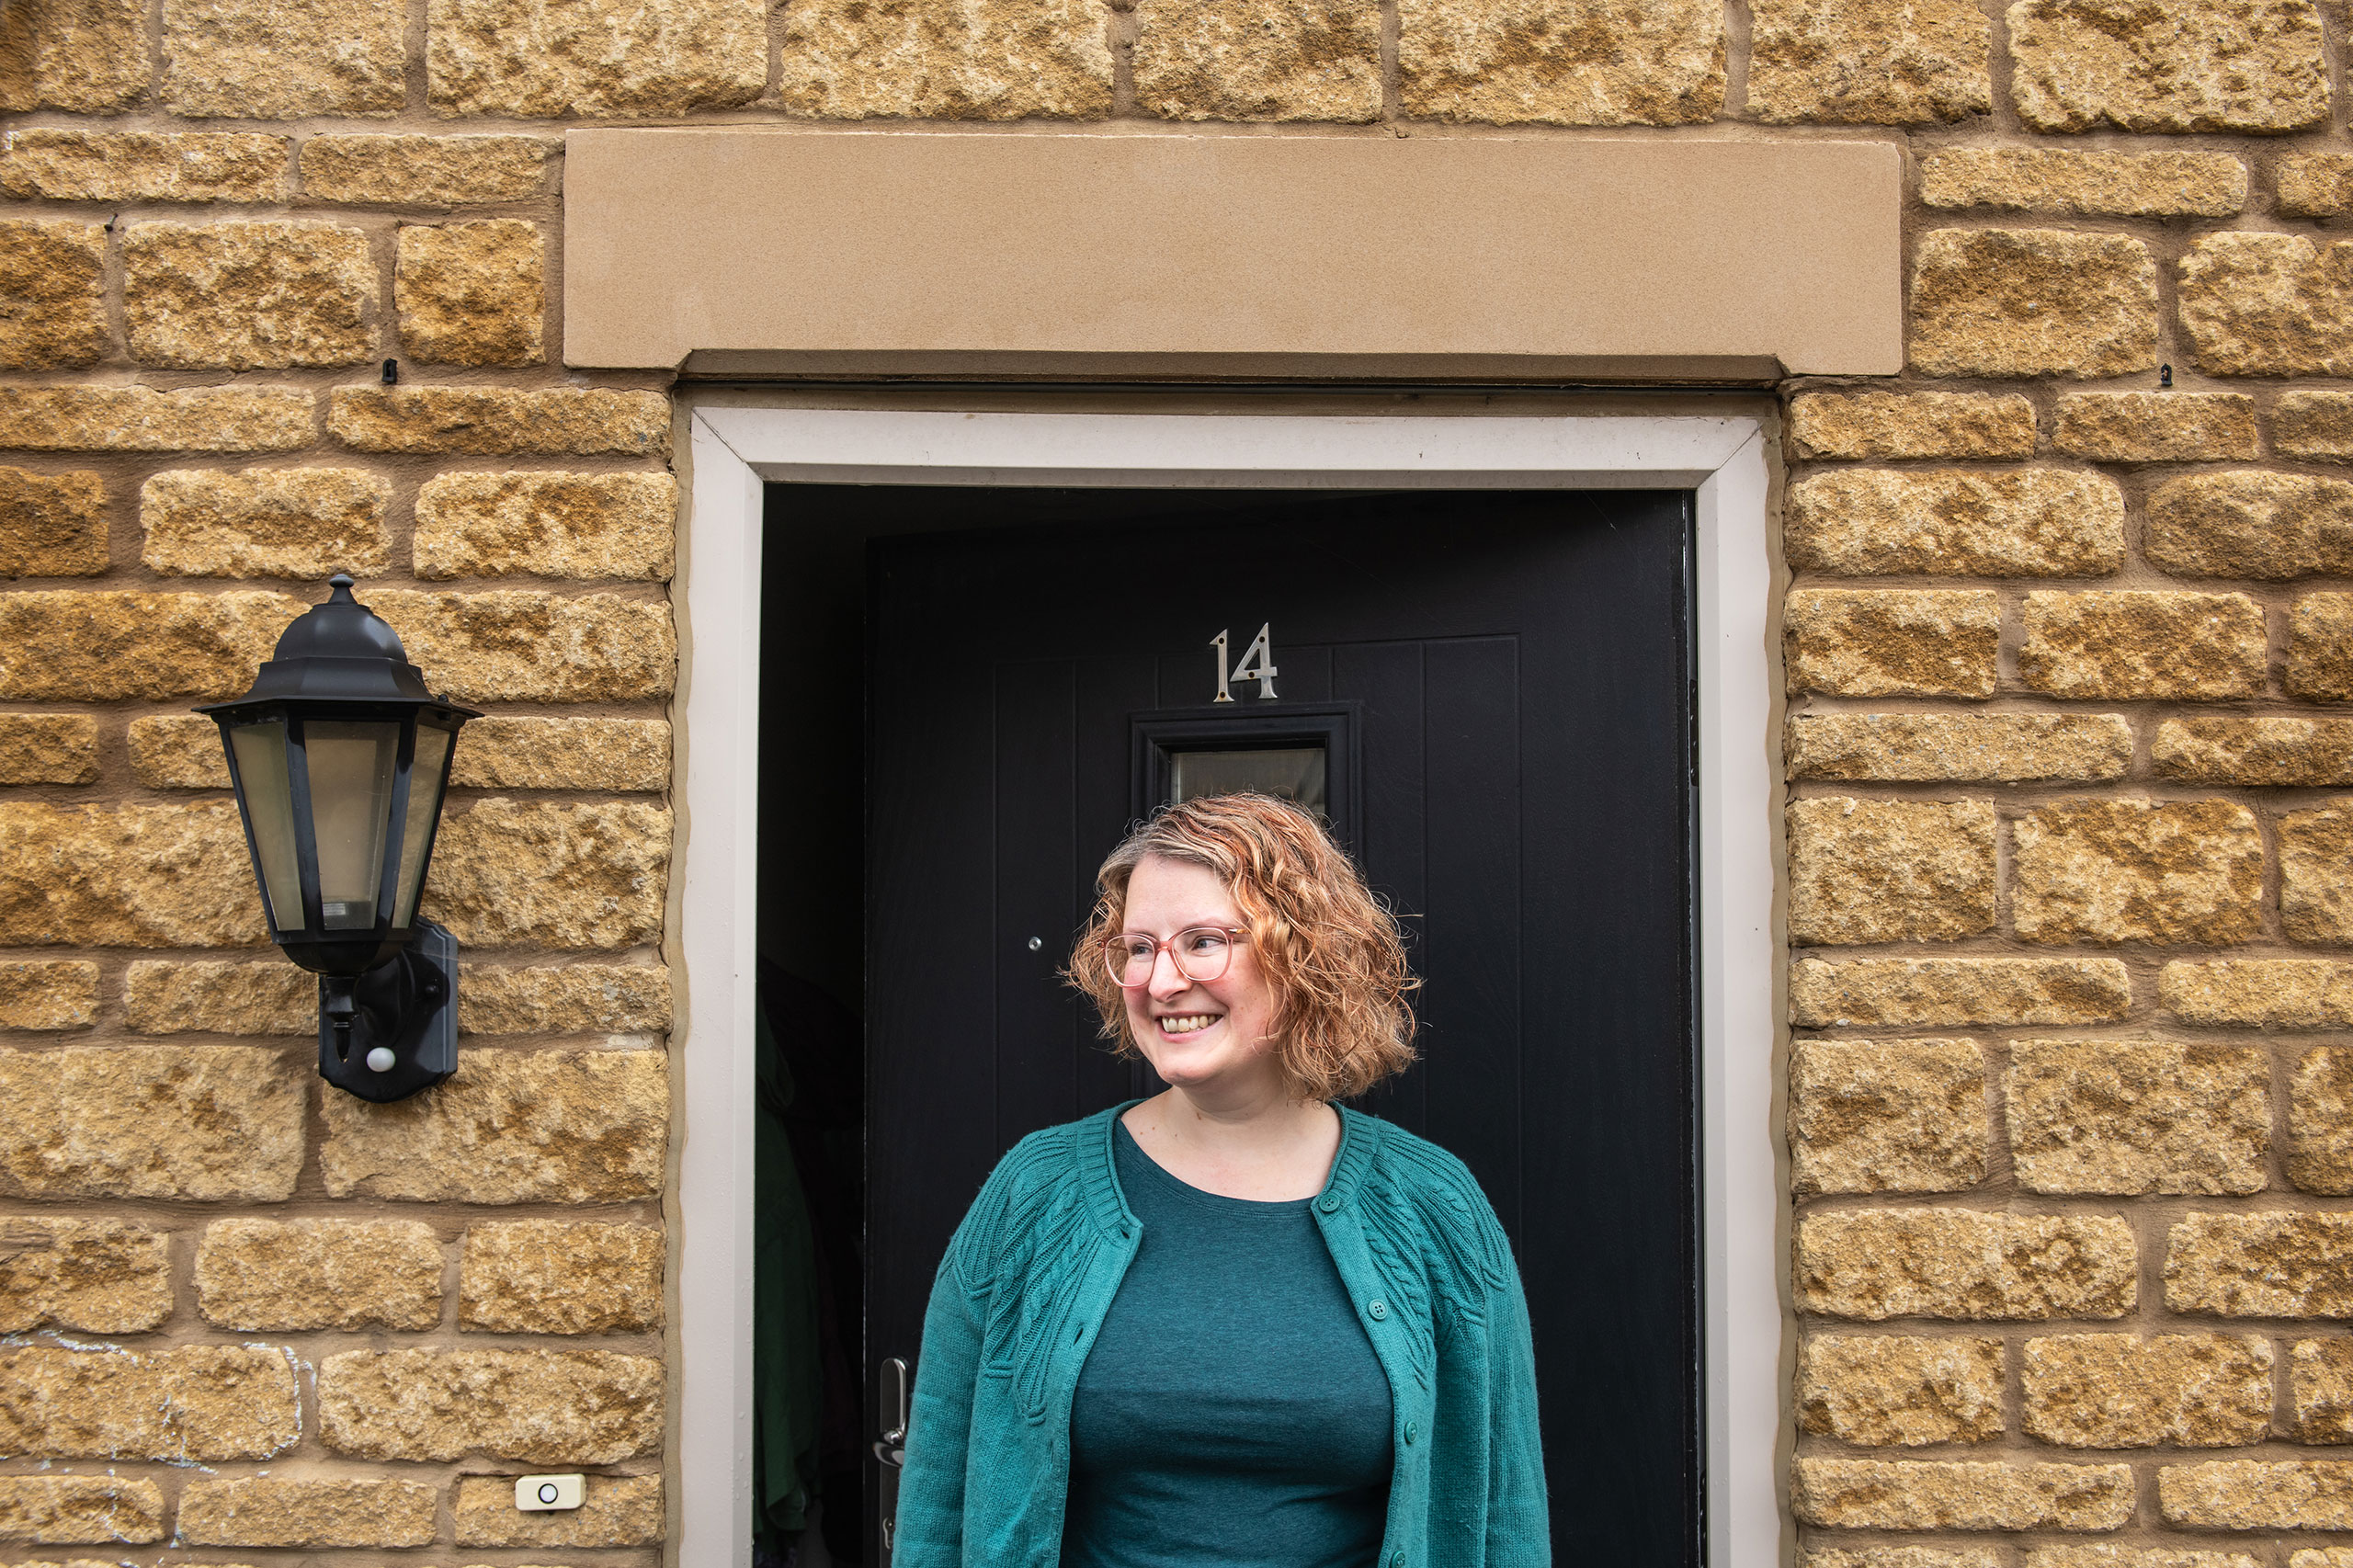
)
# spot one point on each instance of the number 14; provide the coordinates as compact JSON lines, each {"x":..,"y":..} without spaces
{"x":1258,"y":663}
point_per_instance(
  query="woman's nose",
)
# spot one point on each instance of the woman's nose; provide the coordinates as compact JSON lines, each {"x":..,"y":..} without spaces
{"x":1168,"y":980}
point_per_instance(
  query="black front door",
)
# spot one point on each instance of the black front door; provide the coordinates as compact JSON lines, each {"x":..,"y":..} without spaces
{"x":1490,"y":693}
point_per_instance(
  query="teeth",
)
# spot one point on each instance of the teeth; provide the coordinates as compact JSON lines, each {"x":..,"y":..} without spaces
{"x":1188,"y":1023}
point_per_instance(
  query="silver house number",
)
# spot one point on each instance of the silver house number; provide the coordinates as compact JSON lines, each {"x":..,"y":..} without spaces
{"x":1258,"y":663}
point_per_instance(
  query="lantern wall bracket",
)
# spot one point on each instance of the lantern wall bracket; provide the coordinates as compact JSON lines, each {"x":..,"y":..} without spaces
{"x":385,"y":1034}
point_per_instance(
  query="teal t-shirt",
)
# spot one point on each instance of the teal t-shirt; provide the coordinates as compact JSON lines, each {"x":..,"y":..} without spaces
{"x":1231,"y":1413}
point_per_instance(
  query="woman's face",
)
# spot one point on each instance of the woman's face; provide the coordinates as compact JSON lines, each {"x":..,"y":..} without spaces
{"x":1196,"y":1032}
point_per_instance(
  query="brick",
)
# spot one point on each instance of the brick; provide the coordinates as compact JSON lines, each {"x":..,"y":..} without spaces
{"x":2326,"y":1557}
{"x":541,"y":1406}
{"x":2291,"y":993}
{"x":129,"y":876}
{"x":2147,"y":427}
{"x":58,"y":1510}
{"x":62,"y":646}
{"x":83,"y":56}
{"x":2320,"y":648}
{"x":499,"y":753}
{"x":1901,"y":1557}
{"x":96,"y":1276}
{"x":498,"y":422}
{"x":558,"y":1277}
{"x":1876,"y":1264}
{"x":537,"y":874}
{"x":177,"y":751}
{"x":2264,"y":304}
{"x":473,"y":293}
{"x":1866,"y":63}
{"x":48,"y":994}
{"x":1935,"y":748}
{"x":2320,"y":1117}
{"x":2107,"y":1556}
{"x":618,"y":1510}
{"x":2320,"y":1376}
{"x":206,"y":1124}
{"x":2138,"y":1116}
{"x":49,"y":748}
{"x":548,"y":525}
{"x":603,"y":58}
{"x":188,"y":1404}
{"x":2033,"y":302}
{"x":1879,"y":642}
{"x":2261,"y":1266}
{"x":2138,"y":870}
{"x":137,"y":165}
{"x":532,"y":647}
{"x":51,"y":525}
{"x":1948,"y":1496}
{"x":253,"y":1511}
{"x":2033,"y":522}
{"x":1561,"y":62}
{"x":512,"y":1127}
{"x":2188,"y":65}
{"x":140,"y":419}
{"x":2314,"y":185}
{"x":2142,"y":643}
{"x":1207,"y":60}
{"x":1895,"y":1390}
{"x":265,"y":522}
{"x":425,"y":171}
{"x":274,"y":1275}
{"x":2313,"y":424}
{"x":246,"y":296}
{"x":2251,"y":524}
{"x":2122,"y":1391}
{"x":1911,"y":424}
{"x":2250,"y":1494}
{"x":2307,"y":752}
{"x":1886,"y":1115}
{"x":274,"y":60}
{"x":1943,"y":992}
{"x":572,"y":999}
{"x":2123,"y":185}
{"x":2315,"y":902}
{"x":1888,"y":871}
{"x":263,"y":998}
{"x":52,"y":295}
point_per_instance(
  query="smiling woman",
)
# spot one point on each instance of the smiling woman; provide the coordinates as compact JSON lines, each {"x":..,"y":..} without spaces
{"x":1244,"y":1325}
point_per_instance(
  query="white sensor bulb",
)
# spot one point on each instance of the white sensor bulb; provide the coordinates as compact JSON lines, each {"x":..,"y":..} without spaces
{"x":381,"y":1060}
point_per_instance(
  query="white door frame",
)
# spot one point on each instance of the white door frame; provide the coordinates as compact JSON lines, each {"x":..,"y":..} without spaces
{"x":735,"y":451}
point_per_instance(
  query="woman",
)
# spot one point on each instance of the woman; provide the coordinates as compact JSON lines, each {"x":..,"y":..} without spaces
{"x":1234,"y":1323}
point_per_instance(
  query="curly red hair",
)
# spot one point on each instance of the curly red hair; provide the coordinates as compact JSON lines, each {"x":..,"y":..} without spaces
{"x":1328,"y":948}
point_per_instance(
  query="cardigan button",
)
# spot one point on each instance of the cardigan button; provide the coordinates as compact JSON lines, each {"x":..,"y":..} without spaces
{"x":1329,"y":1203}
{"x":1412,"y":1432}
{"x":1396,"y":1559}
{"x":1377,"y":1310}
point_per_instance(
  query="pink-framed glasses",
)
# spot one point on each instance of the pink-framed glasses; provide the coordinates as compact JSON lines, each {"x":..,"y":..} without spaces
{"x":1200,"y":952}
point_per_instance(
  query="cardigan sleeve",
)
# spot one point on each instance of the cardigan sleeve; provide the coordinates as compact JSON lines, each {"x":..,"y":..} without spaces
{"x":929,"y":1531}
{"x":1518,"y":1525}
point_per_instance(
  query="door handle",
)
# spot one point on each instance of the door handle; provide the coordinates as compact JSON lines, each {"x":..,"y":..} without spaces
{"x":898,"y":1389}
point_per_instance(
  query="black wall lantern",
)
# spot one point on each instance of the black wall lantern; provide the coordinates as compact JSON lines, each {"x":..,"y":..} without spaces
{"x":340,"y":756}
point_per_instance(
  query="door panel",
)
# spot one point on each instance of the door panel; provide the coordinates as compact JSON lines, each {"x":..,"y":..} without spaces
{"x":1516,"y":672}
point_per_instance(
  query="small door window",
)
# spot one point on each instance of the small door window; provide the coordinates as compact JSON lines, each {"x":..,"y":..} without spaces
{"x":1295,"y":773}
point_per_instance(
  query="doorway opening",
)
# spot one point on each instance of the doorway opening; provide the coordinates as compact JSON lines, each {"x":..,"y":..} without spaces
{"x":969,"y":693}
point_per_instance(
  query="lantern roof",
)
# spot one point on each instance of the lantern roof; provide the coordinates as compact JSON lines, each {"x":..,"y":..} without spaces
{"x":339,"y":651}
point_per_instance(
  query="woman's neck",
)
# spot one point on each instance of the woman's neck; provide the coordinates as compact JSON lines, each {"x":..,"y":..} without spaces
{"x":1250,"y":1142}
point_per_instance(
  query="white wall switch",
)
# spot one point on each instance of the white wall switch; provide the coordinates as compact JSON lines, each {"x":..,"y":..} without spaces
{"x":545,"y":1493}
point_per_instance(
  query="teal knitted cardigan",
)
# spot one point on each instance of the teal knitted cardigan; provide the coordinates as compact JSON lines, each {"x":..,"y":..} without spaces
{"x":1034,"y":1267}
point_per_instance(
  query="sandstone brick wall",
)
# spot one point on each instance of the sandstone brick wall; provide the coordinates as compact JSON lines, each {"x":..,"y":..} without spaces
{"x":2069,"y":1095}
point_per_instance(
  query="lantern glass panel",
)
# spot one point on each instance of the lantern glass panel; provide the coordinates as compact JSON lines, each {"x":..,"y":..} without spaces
{"x":351,"y":809}
{"x":426,"y":776}
{"x":269,"y":806}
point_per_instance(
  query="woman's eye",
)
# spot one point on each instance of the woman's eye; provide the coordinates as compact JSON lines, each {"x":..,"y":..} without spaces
{"x":1204,"y":942}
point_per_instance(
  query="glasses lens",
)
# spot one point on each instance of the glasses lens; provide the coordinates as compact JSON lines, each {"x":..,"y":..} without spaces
{"x":1129,"y":959}
{"x":1204,"y":952}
